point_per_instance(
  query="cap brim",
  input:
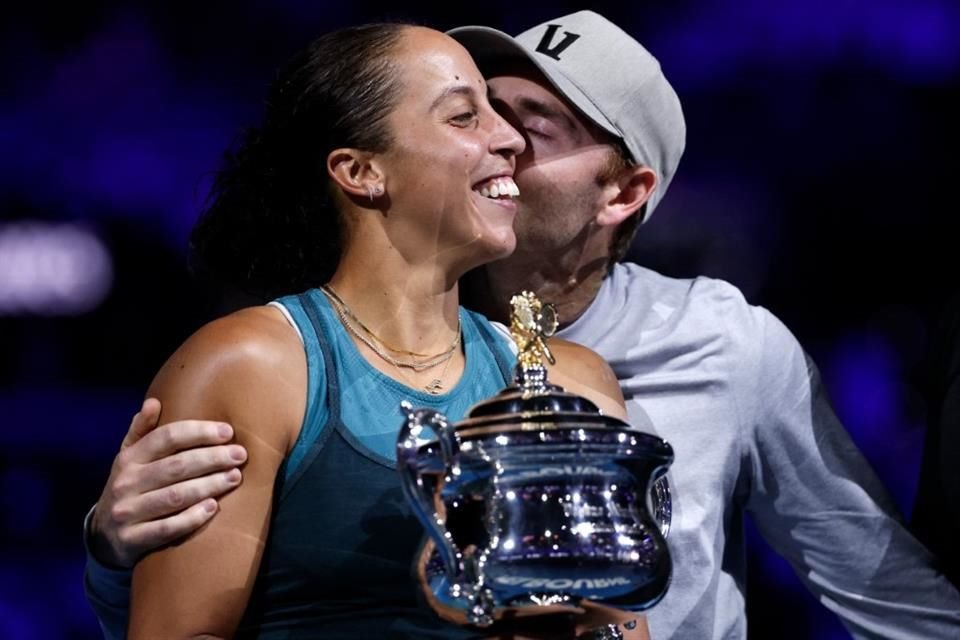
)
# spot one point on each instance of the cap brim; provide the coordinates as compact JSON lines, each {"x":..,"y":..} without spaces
{"x":486,"y":44}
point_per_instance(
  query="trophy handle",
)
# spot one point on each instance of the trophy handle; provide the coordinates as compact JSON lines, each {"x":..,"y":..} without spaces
{"x":661,"y":503}
{"x":419,"y":494}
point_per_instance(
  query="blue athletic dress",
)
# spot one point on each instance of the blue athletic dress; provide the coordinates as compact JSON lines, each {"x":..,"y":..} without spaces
{"x":338,"y":561}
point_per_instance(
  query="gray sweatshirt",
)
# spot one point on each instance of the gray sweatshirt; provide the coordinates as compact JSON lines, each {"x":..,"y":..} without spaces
{"x":730,"y":388}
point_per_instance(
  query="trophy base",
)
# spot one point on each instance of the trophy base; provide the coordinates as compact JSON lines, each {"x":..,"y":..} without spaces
{"x":512,"y":596}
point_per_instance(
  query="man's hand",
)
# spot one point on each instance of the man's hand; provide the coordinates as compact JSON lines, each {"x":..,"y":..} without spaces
{"x":163,"y":485}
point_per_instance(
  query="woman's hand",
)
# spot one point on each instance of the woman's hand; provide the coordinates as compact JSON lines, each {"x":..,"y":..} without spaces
{"x":591,"y":621}
{"x":600,"y":622}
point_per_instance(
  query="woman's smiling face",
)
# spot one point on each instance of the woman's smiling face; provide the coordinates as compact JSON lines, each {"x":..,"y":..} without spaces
{"x":449,"y":170}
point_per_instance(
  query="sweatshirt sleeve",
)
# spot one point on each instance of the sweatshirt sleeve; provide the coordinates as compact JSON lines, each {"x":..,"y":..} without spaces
{"x":816,"y":500}
{"x":107,"y":590}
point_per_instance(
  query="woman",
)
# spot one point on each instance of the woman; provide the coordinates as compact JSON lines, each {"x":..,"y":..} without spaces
{"x":381,"y":173}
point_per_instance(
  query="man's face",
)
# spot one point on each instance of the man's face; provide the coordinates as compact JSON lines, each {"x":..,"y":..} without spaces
{"x":558,"y":173}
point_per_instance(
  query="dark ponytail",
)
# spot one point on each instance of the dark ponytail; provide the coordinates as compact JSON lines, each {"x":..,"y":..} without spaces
{"x":270,"y":227}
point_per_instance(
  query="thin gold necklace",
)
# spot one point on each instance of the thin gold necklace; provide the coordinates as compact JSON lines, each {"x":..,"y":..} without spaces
{"x":434,"y":387}
{"x":327,"y":289}
{"x":350,"y":321}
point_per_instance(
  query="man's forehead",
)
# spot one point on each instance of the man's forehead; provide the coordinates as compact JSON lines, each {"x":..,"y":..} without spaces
{"x":547,"y":95}
{"x":518,"y":68}
{"x":550,"y":98}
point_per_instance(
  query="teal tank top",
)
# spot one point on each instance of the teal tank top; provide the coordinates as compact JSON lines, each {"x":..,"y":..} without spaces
{"x":338,"y":561}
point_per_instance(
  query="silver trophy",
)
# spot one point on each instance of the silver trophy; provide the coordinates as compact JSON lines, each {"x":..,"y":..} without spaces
{"x":536,"y":501}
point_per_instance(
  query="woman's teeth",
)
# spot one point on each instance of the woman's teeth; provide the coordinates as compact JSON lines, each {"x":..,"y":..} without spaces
{"x":499,"y":188}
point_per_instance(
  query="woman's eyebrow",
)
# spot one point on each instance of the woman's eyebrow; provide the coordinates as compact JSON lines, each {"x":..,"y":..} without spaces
{"x":457,"y":89}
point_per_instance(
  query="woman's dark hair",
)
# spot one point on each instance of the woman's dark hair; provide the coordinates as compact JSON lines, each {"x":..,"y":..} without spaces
{"x":270,"y":226}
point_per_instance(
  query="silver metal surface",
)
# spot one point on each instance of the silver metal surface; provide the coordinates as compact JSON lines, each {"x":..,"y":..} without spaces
{"x":537,"y":501}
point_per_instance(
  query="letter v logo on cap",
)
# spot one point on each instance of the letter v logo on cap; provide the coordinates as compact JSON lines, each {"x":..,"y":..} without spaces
{"x":555,"y":51}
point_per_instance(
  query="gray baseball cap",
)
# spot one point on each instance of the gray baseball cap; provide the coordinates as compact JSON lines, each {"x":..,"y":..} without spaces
{"x":604,"y":73}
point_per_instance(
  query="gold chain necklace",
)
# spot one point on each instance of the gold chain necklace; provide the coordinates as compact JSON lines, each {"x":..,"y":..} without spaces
{"x":434,"y":387}
{"x":347,"y":319}
{"x":338,"y":301}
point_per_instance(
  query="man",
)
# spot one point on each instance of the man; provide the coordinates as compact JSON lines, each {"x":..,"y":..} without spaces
{"x":723,"y":381}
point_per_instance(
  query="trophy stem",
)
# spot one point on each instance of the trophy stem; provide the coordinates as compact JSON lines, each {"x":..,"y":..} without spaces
{"x":531,"y":380}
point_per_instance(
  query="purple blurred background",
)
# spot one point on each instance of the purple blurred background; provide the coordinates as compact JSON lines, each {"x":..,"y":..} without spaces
{"x":819,"y":168}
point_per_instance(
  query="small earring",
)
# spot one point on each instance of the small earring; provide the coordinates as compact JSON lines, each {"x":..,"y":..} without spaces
{"x":374,"y":191}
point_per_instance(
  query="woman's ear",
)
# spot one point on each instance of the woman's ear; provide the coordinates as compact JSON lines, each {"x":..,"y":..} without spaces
{"x":628,"y":193}
{"x":355,"y":172}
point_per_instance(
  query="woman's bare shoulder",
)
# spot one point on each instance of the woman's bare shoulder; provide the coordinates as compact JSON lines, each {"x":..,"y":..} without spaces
{"x":243,"y":364}
{"x":252,"y":336}
{"x":581,"y":370}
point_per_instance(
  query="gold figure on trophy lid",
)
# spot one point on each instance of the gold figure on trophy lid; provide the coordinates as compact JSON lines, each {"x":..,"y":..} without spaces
{"x":531,"y":323}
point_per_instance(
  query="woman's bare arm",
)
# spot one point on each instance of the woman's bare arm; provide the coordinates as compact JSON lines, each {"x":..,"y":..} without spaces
{"x":247,"y":369}
{"x":580,"y":370}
